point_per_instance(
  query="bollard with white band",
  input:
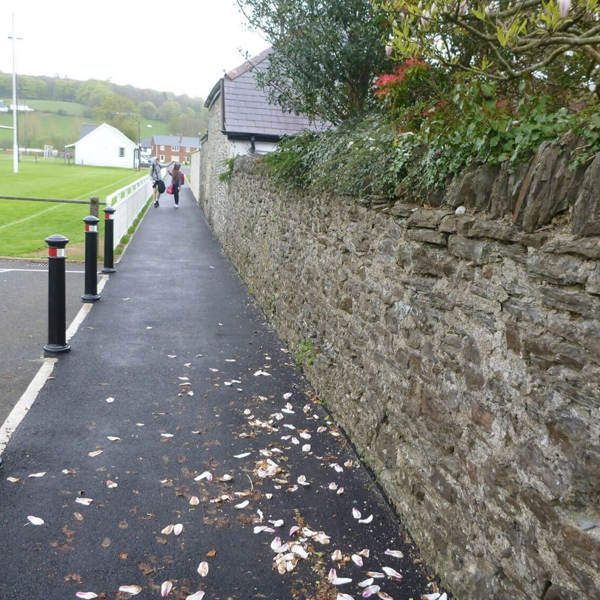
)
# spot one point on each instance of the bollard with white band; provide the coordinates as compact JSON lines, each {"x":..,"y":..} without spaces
{"x":57,"y":337}
{"x":91,"y":259}
{"x":109,"y":228}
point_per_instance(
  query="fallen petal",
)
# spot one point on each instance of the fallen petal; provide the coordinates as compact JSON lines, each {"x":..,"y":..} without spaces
{"x":206,"y":475}
{"x":94,"y":453}
{"x":203,"y":569}
{"x":113,"y":438}
{"x":394,"y":553}
{"x":366,"y":582}
{"x":35,"y":520}
{"x":375,"y":574}
{"x":392,"y":573}
{"x":336,"y":555}
{"x":86,"y":595}
{"x":168,"y":530}
{"x":367,"y":520}
{"x":357,"y":560}
{"x":365,"y":552}
{"x":13,"y":479}
{"x":194,"y":501}
{"x":384,"y":596}
{"x":372,"y":589}
{"x":134,"y":590}
{"x":165,"y":588}
{"x":335,"y":580}
{"x":242,"y":504}
{"x":344,"y":597}
{"x":177,"y":529}
{"x":110,"y":400}
{"x":243,"y":455}
{"x":196,"y":596}
{"x":36,"y":475}
{"x":356,"y":513}
{"x":84,"y":501}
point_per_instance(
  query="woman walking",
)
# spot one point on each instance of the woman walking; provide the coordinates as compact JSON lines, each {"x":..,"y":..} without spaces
{"x":177,"y":180}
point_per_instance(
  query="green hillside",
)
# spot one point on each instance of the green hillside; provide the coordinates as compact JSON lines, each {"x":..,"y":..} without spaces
{"x":58,"y":123}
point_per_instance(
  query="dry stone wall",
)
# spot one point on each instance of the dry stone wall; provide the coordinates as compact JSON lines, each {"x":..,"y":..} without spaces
{"x":462,"y":356}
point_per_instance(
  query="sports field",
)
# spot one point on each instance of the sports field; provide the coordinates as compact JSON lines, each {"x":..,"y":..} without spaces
{"x":25,"y":225}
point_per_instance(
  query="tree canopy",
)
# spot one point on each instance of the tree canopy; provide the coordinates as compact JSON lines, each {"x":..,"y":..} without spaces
{"x":326,"y":53}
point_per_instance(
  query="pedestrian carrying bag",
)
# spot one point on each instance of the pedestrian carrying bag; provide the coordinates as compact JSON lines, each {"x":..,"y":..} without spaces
{"x":170,"y":189}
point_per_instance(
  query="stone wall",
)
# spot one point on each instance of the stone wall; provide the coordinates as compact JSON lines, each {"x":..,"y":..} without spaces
{"x":460,"y":353}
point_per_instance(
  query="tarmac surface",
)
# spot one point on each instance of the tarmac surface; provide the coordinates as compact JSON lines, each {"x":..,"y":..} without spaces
{"x":24,"y":321}
{"x":177,"y":450}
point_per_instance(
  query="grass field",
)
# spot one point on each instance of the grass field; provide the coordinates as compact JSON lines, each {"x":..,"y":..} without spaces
{"x":25,"y":225}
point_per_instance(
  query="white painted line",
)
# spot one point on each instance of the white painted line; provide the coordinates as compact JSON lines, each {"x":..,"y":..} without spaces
{"x":34,"y":216}
{"x":25,"y":402}
{"x":45,"y":271}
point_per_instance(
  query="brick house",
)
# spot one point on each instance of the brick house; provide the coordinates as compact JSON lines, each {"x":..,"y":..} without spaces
{"x":176,"y":148}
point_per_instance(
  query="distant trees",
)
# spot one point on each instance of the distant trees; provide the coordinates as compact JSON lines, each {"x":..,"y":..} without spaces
{"x":120,"y":112}
{"x":148,"y":110}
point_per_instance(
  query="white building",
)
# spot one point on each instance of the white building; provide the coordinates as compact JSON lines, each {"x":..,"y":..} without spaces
{"x":104,"y":146}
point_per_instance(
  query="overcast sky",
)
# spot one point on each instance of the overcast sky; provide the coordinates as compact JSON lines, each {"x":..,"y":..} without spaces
{"x":181,"y":47}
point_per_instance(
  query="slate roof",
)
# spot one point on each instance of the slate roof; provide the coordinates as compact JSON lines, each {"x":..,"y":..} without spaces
{"x":87,"y":128}
{"x":247,"y":110}
{"x":176,"y":140}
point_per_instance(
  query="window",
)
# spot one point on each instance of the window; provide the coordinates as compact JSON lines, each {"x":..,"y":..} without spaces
{"x":162,"y":147}
{"x":175,"y":149}
{"x":121,"y":152}
{"x":188,"y":149}
{"x":162,"y":158}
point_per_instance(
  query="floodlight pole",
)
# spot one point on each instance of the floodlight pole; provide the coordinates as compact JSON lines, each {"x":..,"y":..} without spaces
{"x":14,"y":95}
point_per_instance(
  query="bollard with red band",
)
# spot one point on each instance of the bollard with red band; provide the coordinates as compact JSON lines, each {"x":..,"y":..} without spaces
{"x":57,"y":254}
{"x":91,"y":259}
{"x":109,"y":228}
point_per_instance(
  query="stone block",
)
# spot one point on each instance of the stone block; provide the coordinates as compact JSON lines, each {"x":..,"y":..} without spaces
{"x":428,"y":236}
{"x":586,"y":212}
{"x":469,"y":249}
{"x":593,"y":283}
{"x":427,"y":219}
{"x":574,"y":302}
{"x":561,"y":244}
{"x":561,"y":270}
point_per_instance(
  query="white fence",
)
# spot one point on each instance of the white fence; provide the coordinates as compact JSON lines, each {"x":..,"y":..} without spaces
{"x":128,"y":203}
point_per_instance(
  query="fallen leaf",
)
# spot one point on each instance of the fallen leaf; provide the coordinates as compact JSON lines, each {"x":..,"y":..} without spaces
{"x":211,"y":553}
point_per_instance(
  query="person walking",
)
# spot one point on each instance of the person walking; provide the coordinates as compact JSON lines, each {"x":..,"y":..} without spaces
{"x":177,"y":180}
{"x":158,"y":184}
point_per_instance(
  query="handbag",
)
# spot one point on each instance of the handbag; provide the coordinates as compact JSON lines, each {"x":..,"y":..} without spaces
{"x":170,"y":189}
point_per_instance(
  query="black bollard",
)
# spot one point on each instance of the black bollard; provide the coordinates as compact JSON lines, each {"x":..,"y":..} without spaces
{"x":91,"y":259}
{"x":57,"y":254}
{"x":109,"y":228}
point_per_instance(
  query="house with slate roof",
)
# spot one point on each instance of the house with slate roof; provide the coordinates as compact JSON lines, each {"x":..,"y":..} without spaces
{"x":104,"y":146}
{"x":176,"y":148}
{"x":241,"y":121}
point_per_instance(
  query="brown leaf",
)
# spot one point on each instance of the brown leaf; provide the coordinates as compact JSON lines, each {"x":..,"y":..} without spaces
{"x":211,"y":553}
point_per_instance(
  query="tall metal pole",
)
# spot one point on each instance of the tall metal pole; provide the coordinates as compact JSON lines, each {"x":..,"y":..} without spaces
{"x":14,"y":95}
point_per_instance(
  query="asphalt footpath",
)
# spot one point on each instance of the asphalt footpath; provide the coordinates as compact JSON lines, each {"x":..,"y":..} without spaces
{"x":177,"y":451}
